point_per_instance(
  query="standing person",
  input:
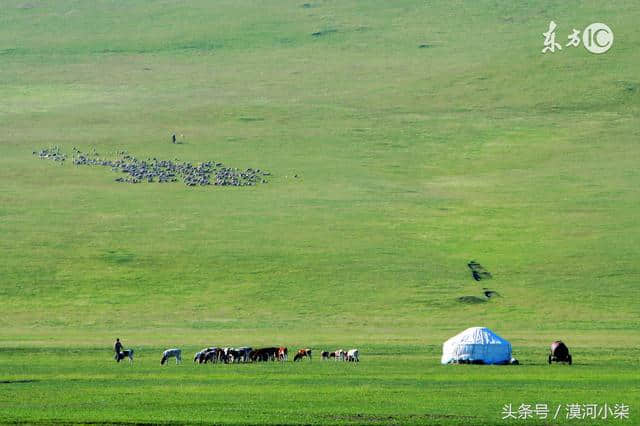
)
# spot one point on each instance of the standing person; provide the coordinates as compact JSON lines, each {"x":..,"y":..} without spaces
{"x":117,"y":347}
{"x":173,"y":138}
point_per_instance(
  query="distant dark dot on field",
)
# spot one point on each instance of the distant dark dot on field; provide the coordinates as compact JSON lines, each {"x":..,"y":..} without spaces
{"x":490,"y":293}
{"x":324,"y":32}
{"x":471,"y":300}
{"x":425,"y":46}
{"x":629,"y":86}
{"x":478,"y":272}
{"x":118,"y":257}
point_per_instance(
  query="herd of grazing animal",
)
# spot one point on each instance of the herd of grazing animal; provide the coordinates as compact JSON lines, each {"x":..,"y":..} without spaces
{"x":244,"y":354}
{"x":352,"y":355}
{"x":133,"y":170}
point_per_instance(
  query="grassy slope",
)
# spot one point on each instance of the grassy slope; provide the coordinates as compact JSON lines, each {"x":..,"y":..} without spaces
{"x":412,"y":162}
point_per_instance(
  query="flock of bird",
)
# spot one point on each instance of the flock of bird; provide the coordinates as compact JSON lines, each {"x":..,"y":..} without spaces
{"x":162,"y":171}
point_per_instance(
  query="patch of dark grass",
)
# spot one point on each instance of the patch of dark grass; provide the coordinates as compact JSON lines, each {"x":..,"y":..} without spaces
{"x":324,"y":32}
{"x":118,"y":257}
{"x":471,"y":300}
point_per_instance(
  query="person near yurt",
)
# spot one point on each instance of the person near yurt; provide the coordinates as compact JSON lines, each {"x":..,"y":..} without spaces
{"x":477,"y":345}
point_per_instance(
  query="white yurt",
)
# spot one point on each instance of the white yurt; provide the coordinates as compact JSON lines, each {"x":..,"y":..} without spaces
{"x":476,"y":345}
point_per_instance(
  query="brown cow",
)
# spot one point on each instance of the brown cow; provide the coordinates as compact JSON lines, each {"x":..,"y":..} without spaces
{"x":283,"y":353}
{"x":301,"y":354}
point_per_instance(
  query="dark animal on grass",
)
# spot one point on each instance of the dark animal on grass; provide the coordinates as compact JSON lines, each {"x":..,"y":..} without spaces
{"x":205,"y":355}
{"x":301,"y":354}
{"x":171,"y":353}
{"x":244,"y":353}
{"x":211,"y":356}
{"x":263,"y":354}
{"x":127,"y":353}
{"x":232,"y":356}
{"x":199,"y":356}
{"x":477,"y":271}
{"x":560,"y":353}
{"x":325,"y":354}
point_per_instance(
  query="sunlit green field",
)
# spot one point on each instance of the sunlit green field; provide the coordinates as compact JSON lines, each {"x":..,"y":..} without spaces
{"x":411,"y":161}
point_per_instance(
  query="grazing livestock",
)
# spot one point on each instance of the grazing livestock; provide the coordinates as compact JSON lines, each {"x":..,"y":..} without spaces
{"x":353,"y":355}
{"x":301,"y":354}
{"x":283,"y":353}
{"x":164,"y":171}
{"x":263,"y":354}
{"x":244,"y":353}
{"x":199,"y":356}
{"x":207,"y":354}
{"x":559,"y":353}
{"x":339,"y":355}
{"x":169,"y":353}
{"x":212,"y":356}
{"x":127,"y":353}
{"x":233,"y":355}
{"x":325,"y":355}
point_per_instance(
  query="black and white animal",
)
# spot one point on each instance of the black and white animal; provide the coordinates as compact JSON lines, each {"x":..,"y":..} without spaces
{"x":244,"y":353}
{"x":353,"y":355}
{"x":212,"y":356}
{"x":175,"y":353}
{"x":207,"y":354}
{"x":127,"y":353}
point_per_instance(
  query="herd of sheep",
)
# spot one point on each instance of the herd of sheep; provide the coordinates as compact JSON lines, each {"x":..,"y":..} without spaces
{"x":151,"y":170}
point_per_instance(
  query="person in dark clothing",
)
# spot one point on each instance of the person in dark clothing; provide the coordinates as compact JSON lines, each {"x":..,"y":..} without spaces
{"x":117,"y":347}
{"x":173,"y":138}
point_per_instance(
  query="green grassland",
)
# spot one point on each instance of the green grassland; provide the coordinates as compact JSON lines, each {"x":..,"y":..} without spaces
{"x":411,"y":161}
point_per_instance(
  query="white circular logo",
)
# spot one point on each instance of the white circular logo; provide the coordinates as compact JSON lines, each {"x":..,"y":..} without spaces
{"x":597,"y":38}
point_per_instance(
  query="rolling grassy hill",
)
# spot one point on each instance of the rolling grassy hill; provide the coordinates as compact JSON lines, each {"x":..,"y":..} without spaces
{"x":423,"y":134}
